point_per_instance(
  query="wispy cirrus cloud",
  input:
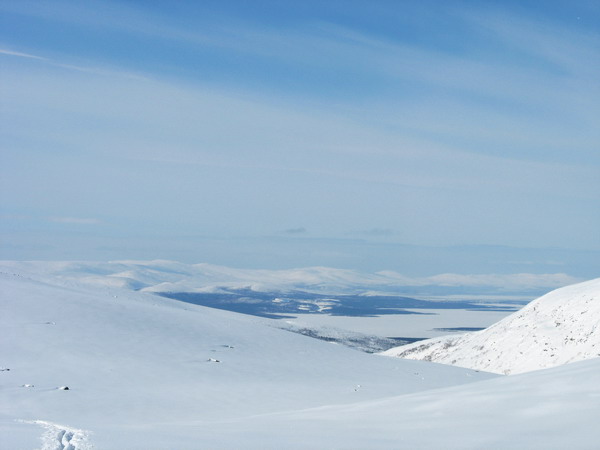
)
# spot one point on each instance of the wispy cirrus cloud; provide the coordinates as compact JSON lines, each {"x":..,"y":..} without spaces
{"x":21,"y":54}
{"x":478,"y":126}
{"x":95,"y":70}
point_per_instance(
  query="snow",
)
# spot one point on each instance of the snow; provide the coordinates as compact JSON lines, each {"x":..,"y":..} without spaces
{"x":560,"y":327}
{"x":138,"y":366}
{"x":148,"y":372}
{"x":172,"y":276}
{"x":554,"y":409}
{"x":61,"y":437}
{"x":426,"y":323}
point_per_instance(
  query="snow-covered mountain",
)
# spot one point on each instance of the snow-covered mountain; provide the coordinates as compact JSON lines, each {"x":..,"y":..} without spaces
{"x":146,"y":372}
{"x":171,"y":276}
{"x":560,"y":327}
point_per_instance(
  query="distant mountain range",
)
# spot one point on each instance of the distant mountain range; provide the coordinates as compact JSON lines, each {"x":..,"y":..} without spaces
{"x":170,"y":276}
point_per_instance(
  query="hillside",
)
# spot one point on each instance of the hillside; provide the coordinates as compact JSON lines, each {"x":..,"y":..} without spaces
{"x":560,"y":327}
{"x":553,"y":409}
{"x":139,"y":366}
{"x":146,"y":372}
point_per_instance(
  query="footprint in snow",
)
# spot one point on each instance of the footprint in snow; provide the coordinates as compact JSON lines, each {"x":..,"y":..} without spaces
{"x":60,"y":437}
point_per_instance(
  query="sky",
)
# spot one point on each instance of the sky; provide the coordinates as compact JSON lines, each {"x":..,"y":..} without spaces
{"x":418,"y":136}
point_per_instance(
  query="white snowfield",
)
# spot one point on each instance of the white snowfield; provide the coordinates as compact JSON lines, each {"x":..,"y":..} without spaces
{"x":146,"y":372}
{"x":553,"y":409}
{"x":560,"y":327}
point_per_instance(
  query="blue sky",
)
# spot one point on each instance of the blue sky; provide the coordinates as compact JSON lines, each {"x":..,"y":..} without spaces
{"x":416,"y":136}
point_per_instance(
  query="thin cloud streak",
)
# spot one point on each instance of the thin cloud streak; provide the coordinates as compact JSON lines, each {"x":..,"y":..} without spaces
{"x":325,"y":124}
{"x":78,"y":68}
{"x":21,"y":54}
{"x":333,"y":43}
{"x":388,"y":156}
{"x":508,"y":82}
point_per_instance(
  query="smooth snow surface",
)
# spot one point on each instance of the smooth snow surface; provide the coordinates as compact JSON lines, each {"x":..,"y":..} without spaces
{"x":142,"y":370}
{"x":554,"y":409}
{"x":560,"y":327}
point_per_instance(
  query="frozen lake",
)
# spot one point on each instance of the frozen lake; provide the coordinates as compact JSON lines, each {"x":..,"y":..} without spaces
{"x":426,"y":323}
{"x":370,"y":323}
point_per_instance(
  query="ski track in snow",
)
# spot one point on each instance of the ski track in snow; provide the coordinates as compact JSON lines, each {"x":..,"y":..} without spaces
{"x":61,"y":437}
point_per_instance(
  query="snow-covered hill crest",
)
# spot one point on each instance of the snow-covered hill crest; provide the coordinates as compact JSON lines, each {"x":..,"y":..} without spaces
{"x":171,"y":276}
{"x":560,"y":327}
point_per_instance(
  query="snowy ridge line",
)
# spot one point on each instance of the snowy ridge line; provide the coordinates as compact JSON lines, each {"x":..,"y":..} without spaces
{"x":61,"y":437}
{"x":172,"y":276}
{"x":560,"y":327}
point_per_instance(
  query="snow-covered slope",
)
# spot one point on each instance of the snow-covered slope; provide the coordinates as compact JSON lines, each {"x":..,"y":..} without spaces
{"x":560,"y":327}
{"x":146,"y":372}
{"x":553,"y":409}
